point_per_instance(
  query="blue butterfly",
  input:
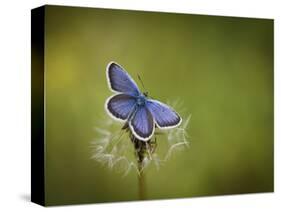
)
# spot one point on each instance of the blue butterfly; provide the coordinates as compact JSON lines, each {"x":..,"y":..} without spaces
{"x":131,"y":105}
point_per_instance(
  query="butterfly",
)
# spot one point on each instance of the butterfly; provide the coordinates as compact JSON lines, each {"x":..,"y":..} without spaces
{"x":129,"y":104}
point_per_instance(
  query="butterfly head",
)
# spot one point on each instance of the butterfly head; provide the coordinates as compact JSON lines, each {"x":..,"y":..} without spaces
{"x":145,"y":94}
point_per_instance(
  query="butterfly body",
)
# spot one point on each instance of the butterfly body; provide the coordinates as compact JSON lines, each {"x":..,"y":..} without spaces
{"x":141,"y":100}
{"x":134,"y":107}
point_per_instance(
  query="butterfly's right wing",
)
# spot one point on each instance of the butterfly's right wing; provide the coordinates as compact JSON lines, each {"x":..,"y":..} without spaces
{"x":120,"y":106}
{"x":120,"y":81}
{"x":165,"y":117}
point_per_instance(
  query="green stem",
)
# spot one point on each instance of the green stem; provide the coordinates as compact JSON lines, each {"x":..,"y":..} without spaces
{"x":142,"y":189}
{"x":141,"y":149}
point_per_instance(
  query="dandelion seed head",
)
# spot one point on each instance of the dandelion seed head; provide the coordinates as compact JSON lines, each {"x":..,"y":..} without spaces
{"x":114,"y":149}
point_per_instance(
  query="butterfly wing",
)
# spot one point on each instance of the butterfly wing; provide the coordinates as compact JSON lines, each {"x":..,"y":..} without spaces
{"x":142,"y":124}
{"x":164,"y":116}
{"x":120,"y":81}
{"x":120,"y":106}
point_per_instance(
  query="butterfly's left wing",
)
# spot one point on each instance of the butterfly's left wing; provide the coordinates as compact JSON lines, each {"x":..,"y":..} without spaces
{"x":142,"y":123}
{"x":120,"y":106}
{"x":119,"y":80}
{"x":164,"y":116}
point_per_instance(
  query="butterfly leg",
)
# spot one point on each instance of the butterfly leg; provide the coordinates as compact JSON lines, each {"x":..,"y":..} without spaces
{"x":125,"y":126}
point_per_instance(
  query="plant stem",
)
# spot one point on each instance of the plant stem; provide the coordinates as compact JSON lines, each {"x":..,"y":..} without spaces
{"x":141,"y":150}
{"x":142,"y":189}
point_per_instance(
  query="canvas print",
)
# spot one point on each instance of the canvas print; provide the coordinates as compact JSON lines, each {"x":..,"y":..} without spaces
{"x":135,"y":105}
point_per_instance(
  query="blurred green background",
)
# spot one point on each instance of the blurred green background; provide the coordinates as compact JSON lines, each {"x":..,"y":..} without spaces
{"x":220,"y":67}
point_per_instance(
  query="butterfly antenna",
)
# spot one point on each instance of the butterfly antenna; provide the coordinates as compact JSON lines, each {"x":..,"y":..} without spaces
{"x":146,"y":93}
{"x":141,"y":82}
